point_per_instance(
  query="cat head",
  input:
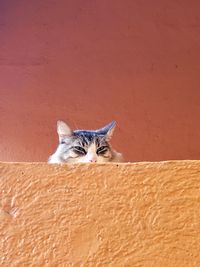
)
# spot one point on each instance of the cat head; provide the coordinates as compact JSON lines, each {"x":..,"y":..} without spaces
{"x":83,"y":145}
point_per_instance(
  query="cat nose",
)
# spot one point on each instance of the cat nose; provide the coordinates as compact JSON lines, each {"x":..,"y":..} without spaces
{"x":93,"y":160}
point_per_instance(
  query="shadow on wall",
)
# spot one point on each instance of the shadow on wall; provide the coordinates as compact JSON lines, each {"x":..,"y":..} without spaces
{"x":91,"y":63}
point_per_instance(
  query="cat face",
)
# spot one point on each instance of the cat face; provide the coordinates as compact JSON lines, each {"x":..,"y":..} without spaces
{"x":83,"y":145}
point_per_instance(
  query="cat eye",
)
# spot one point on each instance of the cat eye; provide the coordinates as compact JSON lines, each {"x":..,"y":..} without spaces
{"x":102,"y":149}
{"x":79,"y":150}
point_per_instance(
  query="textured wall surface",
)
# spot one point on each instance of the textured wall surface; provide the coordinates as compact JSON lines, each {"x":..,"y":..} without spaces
{"x":89,"y":62}
{"x":144,"y":214}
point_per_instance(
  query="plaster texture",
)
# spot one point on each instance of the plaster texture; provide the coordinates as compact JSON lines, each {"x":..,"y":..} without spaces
{"x":142,"y":214}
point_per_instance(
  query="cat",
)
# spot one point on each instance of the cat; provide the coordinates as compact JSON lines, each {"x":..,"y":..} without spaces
{"x":85,"y":145}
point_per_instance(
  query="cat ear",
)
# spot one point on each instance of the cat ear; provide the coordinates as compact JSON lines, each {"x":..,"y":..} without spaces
{"x":63,"y":130}
{"x":108,"y":130}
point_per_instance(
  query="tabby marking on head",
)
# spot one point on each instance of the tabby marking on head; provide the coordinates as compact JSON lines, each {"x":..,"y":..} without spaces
{"x":85,"y":145}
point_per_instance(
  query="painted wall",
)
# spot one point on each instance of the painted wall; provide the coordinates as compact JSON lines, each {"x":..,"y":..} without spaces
{"x":144,"y":214}
{"x":89,"y":62}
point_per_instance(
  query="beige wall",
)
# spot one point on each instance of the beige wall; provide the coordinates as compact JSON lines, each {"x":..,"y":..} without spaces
{"x":89,"y":62}
{"x":145,"y":214}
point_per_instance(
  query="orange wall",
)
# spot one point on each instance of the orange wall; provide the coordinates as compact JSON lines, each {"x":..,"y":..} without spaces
{"x":143,"y":214}
{"x":89,"y":62}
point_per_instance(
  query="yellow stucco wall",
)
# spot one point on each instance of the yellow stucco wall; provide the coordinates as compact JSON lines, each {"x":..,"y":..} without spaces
{"x":142,"y":214}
